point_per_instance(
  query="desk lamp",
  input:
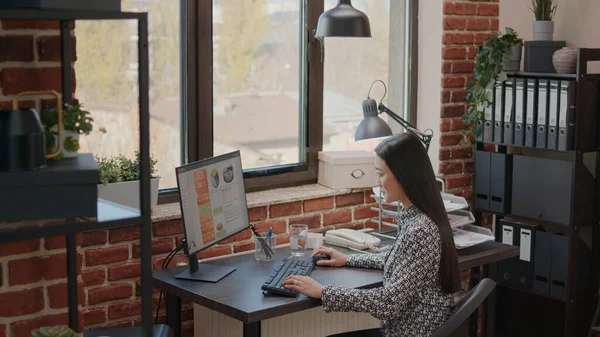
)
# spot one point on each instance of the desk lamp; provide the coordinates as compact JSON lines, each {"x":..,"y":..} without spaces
{"x":372,"y":126}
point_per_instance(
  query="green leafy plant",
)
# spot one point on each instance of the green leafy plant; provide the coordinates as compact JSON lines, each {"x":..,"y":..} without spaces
{"x":544,"y":10}
{"x":489,"y":73}
{"x":54,"y":331}
{"x":119,"y":168}
{"x":75,"y":119}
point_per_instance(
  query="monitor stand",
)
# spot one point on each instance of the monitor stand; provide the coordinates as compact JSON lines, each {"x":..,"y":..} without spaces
{"x":208,"y":272}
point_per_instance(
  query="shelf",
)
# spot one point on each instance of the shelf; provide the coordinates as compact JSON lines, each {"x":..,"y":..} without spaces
{"x":67,"y":15}
{"x":562,"y":228}
{"x":110,"y":215}
{"x":524,"y":147}
{"x":549,"y":76}
{"x":65,"y":188}
{"x":531,"y":292}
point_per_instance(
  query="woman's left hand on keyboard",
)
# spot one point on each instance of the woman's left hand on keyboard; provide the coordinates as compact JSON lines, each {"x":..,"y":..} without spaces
{"x":305,"y":285}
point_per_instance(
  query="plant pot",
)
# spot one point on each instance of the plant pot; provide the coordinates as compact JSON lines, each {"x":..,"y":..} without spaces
{"x":128,"y":193}
{"x":514,"y":62}
{"x":74,"y":136}
{"x":543,"y":30}
{"x":565,"y":60}
{"x":66,"y":134}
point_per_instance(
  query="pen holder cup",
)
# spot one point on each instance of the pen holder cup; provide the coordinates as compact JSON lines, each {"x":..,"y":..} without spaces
{"x":264,"y":248}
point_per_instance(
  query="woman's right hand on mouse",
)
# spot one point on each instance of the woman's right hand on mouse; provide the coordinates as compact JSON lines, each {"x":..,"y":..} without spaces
{"x":336,"y":259}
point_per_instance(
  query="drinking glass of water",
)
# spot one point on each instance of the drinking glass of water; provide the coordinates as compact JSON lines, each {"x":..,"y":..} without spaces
{"x":298,"y":233}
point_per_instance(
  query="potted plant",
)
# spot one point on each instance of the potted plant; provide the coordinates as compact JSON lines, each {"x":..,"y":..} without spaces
{"x":543,"y":26}
{"x":76,"y":122}
{"x":495,"y":57}
{"x":54,"y":331}
{"x":119,"y":178}
{"x":512,"y":46}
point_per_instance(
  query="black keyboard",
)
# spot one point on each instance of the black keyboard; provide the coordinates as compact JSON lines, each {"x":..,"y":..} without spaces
{"x":282,"y":270}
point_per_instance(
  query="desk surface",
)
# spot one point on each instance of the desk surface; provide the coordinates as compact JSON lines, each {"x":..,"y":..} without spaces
{"x":238,"y":295}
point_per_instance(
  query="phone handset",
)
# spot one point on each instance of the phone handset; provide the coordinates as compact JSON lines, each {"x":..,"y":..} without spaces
{"x":350,"y":238}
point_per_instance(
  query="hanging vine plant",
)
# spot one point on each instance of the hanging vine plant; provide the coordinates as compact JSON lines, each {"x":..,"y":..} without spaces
{"x":489,"y":73}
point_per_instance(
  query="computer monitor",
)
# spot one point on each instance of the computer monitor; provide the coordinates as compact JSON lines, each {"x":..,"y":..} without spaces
{"x":213,"y":208}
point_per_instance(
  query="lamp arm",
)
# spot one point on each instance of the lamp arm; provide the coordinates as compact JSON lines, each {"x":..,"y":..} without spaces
{"x":425,"y":137}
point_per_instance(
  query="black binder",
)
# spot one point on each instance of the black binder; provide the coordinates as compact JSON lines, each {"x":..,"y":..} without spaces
{"x":499,"y":106}
{"x":552,"y":143}
{"x":543,"y":111}
{"x":531,"y":114}
{"x":542,"y":262}
{"x":560,"y":266}
{"x":509,"y":112}
{"x":482,"y":180}
{"x":508,"y":234}
{"x":566,"y":119}
{"x":500,"y":182}
{"x":518,"y":271}
{"x":520,"y":109}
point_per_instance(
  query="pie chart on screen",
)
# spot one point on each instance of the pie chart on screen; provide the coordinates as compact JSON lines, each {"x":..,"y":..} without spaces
{"x":214,"y":175}
{"x":228,"y":174}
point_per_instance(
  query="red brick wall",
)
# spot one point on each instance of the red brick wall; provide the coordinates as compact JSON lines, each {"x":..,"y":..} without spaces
{"x":33,"y":273}
{"x":29,"y":60}
{"x":466,"y":25}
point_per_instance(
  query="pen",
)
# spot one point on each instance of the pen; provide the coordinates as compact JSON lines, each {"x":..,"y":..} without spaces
{"x":270,"y":232}
{"x":265,"y":247}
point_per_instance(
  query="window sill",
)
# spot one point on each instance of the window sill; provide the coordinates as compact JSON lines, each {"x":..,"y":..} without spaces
{"x":172,"y":211}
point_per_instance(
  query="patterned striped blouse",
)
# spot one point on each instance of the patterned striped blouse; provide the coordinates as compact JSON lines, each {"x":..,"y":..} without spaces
{"x":410,"y":302}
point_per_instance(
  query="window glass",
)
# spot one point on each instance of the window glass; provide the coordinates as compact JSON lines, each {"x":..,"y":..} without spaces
{"x":257,"y":74}
{"x":106,"y":72}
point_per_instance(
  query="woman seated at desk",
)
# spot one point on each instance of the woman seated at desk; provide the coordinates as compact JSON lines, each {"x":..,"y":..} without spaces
{"x":420,"y":272}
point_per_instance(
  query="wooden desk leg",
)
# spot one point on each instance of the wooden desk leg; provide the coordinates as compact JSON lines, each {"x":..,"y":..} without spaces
{"x":489,"y":308}
{"x":252,"y":329}
{"x":173,"y":305}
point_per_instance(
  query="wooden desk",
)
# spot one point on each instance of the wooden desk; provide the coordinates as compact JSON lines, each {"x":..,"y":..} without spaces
{"x":239,"y":296}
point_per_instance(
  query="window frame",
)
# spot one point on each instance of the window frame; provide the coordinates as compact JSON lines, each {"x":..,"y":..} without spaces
{"x":197,"y":96}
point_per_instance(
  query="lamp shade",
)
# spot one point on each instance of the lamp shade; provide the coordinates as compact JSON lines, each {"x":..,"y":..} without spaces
{"x":372,"y":127}
{"x":343,"y":20}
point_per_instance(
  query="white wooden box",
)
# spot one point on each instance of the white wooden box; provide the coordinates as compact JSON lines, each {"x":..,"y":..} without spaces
{"x":347,"y":169}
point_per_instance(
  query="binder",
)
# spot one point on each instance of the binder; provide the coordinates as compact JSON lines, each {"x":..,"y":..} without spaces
{"x":488,"y":120}
{"x":566,"y":120}
{"x":482,"y":179}
{"x":560,"y":266}
{"x":520,"y":106}
{"x":542,"y":262}
{"x":508,"y":268}
{"x":525,"y":263}
{"x":531,"y":114}
{"x":479,"y":129}
{"x":509,"y":116}
{"x":499,"y":106}
{"x":542,"y":111}
{"x":552,"y":143}
{"x":500,"y":182}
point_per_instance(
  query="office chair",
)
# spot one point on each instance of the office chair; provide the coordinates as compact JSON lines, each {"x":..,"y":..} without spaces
{"x":465,"y":307}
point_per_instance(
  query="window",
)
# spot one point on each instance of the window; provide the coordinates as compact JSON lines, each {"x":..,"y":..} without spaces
{"x":257,"y":73}
{"x":352,"y":65}
{"x":106,"y":70}
{"x":240,"y":74}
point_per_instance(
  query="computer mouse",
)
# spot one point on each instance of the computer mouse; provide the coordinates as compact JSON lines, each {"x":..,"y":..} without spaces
{"x":320,"y":257}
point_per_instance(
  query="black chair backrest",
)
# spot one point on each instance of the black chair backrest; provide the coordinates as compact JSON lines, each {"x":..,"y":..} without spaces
{"x":465,"y":307}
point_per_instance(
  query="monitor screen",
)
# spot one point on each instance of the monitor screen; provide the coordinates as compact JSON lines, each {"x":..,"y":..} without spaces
{"x":213,"y":200}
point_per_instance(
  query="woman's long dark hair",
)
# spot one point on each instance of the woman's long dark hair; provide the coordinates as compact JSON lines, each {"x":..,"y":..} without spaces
{"x":407,"y":158}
